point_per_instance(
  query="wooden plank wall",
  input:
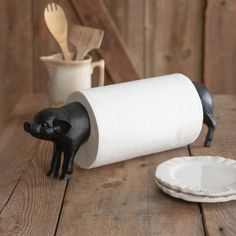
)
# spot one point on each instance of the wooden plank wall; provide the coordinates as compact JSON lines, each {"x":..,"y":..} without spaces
{"x":193,"y":37}
{"x":16,"y":54}
{"x":220,"y":46}
{"x":162,"y":36}
{"x":129,"y":19}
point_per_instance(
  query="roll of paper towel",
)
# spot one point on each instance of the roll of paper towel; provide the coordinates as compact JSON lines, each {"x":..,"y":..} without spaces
{"x":139,"y":118}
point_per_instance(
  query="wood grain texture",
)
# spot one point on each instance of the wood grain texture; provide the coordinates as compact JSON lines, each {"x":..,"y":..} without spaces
{"x":118,"y":13}
{"x":34,"y":205}
{"x":16,"y":147}
{"x":15,"y":59}
{"x":220,"y":47}
{"x":174,"y":32}
{"x":57,"y":24}
{"x":118,"y":63}
{"x":123,"y":199}
{"x":219,"y":219}
{"x":85,"y":39}
{"x":128,"y":17}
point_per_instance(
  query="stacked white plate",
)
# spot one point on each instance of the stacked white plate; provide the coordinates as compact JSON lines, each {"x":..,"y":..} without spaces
{"x":198,"y":178}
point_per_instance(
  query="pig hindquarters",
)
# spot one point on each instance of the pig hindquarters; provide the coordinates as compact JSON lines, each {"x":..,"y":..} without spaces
{"x":67,"y":127}
{"x":208,"y":111}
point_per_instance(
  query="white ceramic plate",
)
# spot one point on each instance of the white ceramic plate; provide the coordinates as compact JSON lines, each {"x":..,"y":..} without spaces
{"x":199,"y":175}
{"x":194,"y":198}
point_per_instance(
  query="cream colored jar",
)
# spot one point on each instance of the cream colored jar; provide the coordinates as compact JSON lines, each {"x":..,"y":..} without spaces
{"x":67,"y":77}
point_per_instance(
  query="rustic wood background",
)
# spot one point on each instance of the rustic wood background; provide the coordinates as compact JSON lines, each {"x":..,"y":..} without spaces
{"x":161,"y":36}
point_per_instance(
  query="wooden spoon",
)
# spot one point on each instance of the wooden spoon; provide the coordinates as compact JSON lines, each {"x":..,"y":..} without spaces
{"x":85,"y":39}
{"x":55,"y":19}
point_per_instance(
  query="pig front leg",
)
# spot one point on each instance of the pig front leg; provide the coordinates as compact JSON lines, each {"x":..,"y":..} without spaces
{"x":56,"y":161}
{"x":67,"y":167}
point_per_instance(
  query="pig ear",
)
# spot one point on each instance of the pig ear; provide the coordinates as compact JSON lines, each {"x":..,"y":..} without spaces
{"x":61,"y":126}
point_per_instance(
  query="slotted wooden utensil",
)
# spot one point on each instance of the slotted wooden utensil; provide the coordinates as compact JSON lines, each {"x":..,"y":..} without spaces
{"x":85,"y":39}
{"x":56,"y":21}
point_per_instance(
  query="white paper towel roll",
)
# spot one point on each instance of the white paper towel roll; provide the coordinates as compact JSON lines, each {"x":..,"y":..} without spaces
{"x":139,"y":118}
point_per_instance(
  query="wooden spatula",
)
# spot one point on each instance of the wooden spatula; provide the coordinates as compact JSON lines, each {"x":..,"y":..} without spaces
{"x":55,"y":19}
{"x":85,"y":39}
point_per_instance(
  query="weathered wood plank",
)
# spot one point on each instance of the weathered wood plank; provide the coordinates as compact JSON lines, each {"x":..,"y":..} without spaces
{"x":123,"y":199}
{"x":118,"y":13}
{"x":128,"y":16}
{"x":220,"y":218}
{"x":174,"y":37}
{"x":118,"y":63}
{"x":16,"y":54}
{"x":220,"y":47}
{"x":34,"y":206}
{"x":16,"y":147}
{"x":135,"y":33}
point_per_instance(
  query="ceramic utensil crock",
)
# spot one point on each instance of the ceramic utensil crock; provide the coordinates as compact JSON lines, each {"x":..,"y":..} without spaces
{"x":67,"y":77}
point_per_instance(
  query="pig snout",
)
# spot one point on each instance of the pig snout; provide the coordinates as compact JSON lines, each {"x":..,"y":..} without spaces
{"x":30,"y":127}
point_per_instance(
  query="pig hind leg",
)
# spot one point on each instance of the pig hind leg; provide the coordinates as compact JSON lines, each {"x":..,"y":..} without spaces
{"x":67,"y":167}
{"x":209,"y":120}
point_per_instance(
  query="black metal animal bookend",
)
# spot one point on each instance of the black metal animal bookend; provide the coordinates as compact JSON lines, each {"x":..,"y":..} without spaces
{"x":68,"y":127}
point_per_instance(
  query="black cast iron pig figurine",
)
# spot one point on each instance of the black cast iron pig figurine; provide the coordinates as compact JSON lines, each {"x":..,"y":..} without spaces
{"x":68,"y":127}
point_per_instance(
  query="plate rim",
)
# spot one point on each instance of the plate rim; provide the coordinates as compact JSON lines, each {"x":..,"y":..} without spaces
{"x":194,"y":198}
{"x":179,"y":186}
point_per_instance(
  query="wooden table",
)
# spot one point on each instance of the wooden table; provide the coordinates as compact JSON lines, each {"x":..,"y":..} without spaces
{"x":120,"y":199}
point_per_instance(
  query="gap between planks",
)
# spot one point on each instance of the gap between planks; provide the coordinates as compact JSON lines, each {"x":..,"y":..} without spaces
{"x":31,"y":186}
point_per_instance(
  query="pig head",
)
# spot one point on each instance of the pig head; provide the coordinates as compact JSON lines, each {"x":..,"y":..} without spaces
{"x":68,"y":127}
